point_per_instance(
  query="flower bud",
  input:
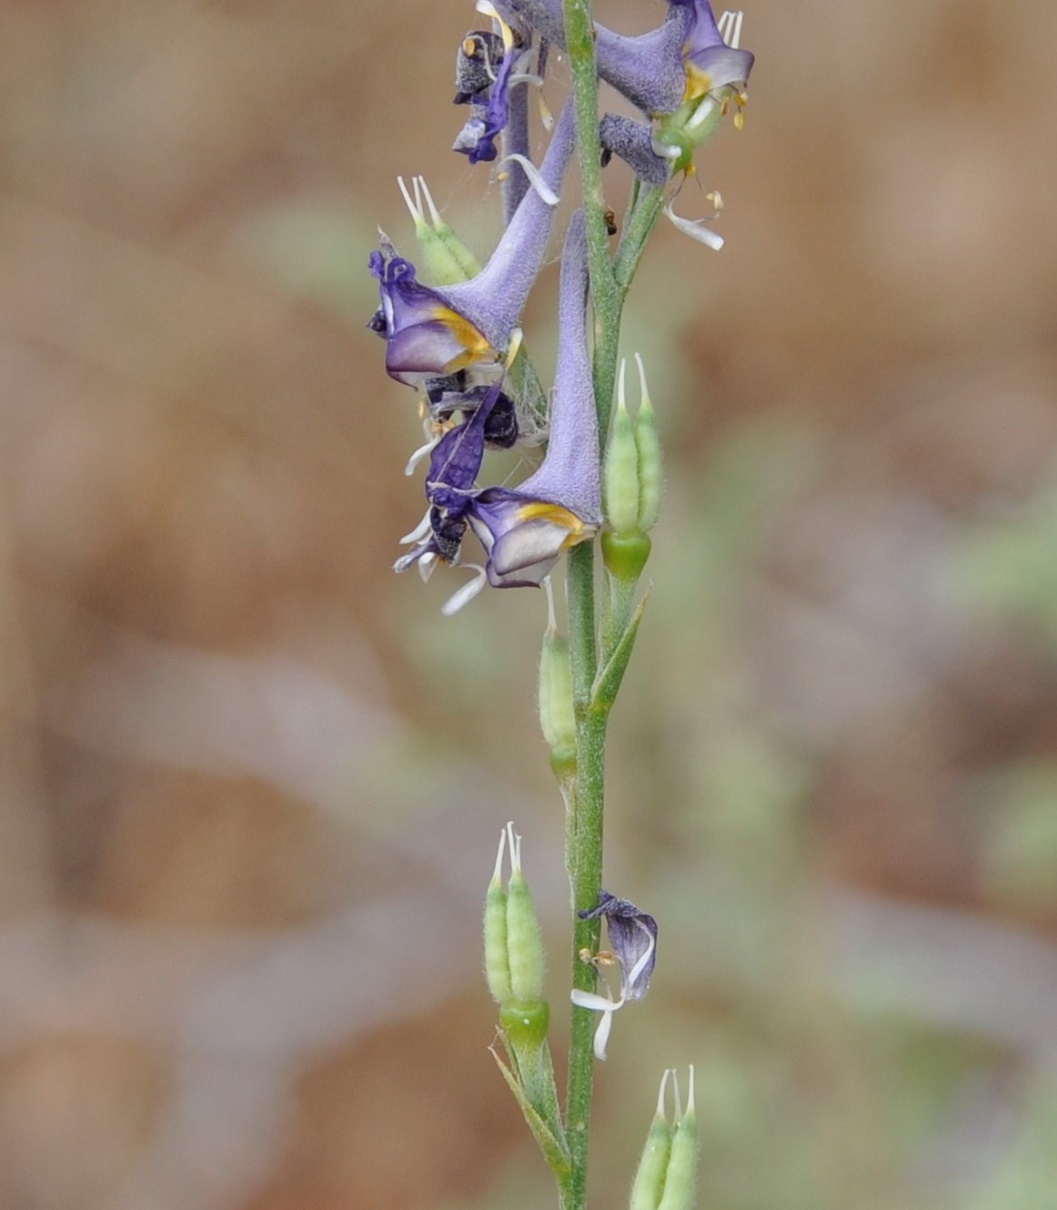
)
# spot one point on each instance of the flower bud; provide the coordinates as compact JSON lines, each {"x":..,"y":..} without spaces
{"x":513,"y":950}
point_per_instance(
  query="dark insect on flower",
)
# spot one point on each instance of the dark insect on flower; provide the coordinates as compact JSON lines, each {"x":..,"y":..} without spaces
{"x":611,"y":222}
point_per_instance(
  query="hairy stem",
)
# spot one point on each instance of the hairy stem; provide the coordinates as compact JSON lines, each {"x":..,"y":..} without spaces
{"x":584,"y":831}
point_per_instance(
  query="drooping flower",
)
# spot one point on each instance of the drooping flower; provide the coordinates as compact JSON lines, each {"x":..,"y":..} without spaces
{"x":454,"y":464}
{"x":685,"y":57}
{"x":433,"y":331}
{"x":633,"y":941}
{"x":524,"y":530}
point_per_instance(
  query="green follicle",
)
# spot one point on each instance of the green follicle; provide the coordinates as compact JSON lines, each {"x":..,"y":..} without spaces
{"x":625,"y":554}
{"x":620,"y":474}
{"x":446,"y":259}
{"x":496,"y":956}
{"x":524,"y":942}
{"x":563,"y":763}
{"x":680,"y":1178}
{"x":648,"y":444}
{"x":649,"y":1178}
{"x":557,"y":713}
{"x":525,"y":1023}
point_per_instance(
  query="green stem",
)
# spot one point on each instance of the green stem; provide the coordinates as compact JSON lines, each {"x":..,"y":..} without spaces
{"x":583,"y":853}
{"x":644,"y":214}
{"x":584,"y":833}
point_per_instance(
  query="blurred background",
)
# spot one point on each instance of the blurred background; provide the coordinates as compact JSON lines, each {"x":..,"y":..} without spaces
{"x":252,"y":782}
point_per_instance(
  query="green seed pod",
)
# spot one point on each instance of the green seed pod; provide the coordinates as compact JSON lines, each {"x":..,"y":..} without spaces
{"x":557,"y":718}
{"x":496,"y":958}
{"x":680,"y":1181}
{"x":625,"y":555}
{"x":445,"y":258}
{"x":524,"y":942}
{"x":469,"y":265}
{"x":620,"y":473}
{"x":648,"y":1186}
{"x":525,"y":1023}
{"x":651,"y":471}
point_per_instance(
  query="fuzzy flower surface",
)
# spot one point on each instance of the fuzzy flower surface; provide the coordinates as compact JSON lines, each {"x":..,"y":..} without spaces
{"x":431,"y":331}
{"x":684,"y":57}
{"x":523,"y":530}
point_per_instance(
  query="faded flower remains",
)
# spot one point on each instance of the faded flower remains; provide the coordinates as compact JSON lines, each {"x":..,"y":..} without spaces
{"x":451,"y":318}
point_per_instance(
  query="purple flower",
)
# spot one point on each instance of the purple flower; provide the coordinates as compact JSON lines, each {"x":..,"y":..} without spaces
{"x":431,"y":331}
{"x":682,"y":59}
{"x":523,"y":530}
{"x":633,"y":940}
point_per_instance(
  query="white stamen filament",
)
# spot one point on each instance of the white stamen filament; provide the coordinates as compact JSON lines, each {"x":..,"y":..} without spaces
{"x":488,"y":10}
{"x":516,"y":337}
{"x":535,"y":177}
{"x":702,"y":114}
{"x":694,"y":228}
{"x":418,"y":533}
{"x":621,"y":401}
{"x":468,"y":591}
{"x":420,"y":453}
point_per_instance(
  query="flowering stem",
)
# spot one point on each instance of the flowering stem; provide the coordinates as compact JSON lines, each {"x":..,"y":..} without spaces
{"x":644,"y":214}
{"x":584,"y":832}
{"x":583,"y":851}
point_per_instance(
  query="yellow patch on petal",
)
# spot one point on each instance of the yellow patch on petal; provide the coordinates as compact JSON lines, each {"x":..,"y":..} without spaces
{"x":698,"y":83}
{"x":540,"y":510}
{"x":476,"y":346}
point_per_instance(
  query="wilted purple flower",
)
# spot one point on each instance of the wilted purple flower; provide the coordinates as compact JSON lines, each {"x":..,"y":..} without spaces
{"x":454,"y":464}
{"x":483,"y":78}
{"x":633,"y":939}
{"x":433,"y":331}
